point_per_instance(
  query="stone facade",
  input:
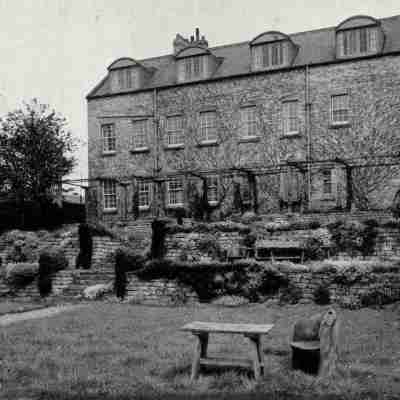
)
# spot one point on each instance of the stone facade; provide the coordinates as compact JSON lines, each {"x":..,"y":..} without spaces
{"x":371,"y":84}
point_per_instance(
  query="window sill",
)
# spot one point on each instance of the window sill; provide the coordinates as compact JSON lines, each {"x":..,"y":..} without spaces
{"x":205,"y":143}
{"x":144,"y":208}
{"x":290,"y":135}
{"x":174,"y":206}
{"x":174,"y":147}
{"x":249,"y":139}
{"x":109,"y":153}
{"x":138,"y":150}
{"x":213,"y":203}
{"x":109,"y":210}
{"x":337,"y":125}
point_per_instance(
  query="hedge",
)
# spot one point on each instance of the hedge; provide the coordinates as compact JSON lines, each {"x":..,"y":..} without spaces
{"x":50,"y":262}
{"x":21,"y":274}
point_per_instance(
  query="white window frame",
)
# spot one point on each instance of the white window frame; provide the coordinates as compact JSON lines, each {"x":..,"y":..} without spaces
{"x":290,"y":117}
{"x":145,"y":194}
{"x":248,"y":122}
{"x":108,"y":137}
{"x":109,"y":195}
{"x":213,"y":189}
{"x":140,"y":134}
{"x":208,"y":127}
{"x":193,"y":67}
{"x":174,"y":132}
{"x":270,"y":55}
{"x":350,"y":41}
{"x":175,"y":193}
{"x":340,"y":103}
{"x":327,"y":181}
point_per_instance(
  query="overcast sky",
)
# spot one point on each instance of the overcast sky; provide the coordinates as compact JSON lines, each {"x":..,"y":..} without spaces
{"x":58,"y":50}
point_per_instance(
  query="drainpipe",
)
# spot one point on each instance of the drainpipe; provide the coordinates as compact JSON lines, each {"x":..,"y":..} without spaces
{"x":308,"y":132}
{"x":157,"y":168}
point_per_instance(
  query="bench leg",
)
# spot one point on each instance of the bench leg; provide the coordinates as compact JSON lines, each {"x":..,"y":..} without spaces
{"x":200,"y":350}
{"x":257,"y":355}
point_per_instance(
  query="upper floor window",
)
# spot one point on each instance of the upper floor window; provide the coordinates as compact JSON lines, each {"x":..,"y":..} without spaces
{"x":290,"y":117}
{"x":108,"y":138}
{"x":127,"y":78}
{"x":248,"y":122}
{"x":327,"y":182}
{"x":144,"y":190}
{"x":340,"y":109}
{"x":174,"y":131}
{"x":175,"y":192}
{"x":109,"y":195}
{"x":192,"y":68}
{"x":270,"y":54}
{"x":208,"y":128}
{"x":140,"y":132}
{"x":212,"y":189}
{"x":357,"y":41}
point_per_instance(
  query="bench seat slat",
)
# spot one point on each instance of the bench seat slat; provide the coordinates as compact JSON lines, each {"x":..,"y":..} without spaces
{"x":226,"y":362}
{"x":219,"y":327}
{"x":306,"y":345}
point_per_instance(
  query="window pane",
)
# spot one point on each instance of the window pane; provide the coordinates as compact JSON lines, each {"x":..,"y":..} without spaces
{"x":340,"y":108}
{"x":175,"y":192}
{"x":290,"y":120}
{"x":174,"y":130}
{"x":249,"y":122}
{"x":208,"y":125}
{"x":139,"y":138}
{"x":109,"y":140}
{"x":144,"y":189}
{"x":327,"y":182}
{"x":109,"y":194}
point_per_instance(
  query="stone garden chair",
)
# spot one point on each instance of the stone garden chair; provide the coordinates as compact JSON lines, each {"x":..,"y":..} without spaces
{"x":315,"y":344}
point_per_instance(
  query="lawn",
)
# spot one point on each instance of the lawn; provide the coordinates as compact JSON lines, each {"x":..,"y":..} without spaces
{"x":122,"y":351}
{"x":13,"y":306}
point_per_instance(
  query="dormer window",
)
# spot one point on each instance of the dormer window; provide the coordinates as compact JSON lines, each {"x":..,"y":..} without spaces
{"x":359,"y":36}
{"x":272,"y":50}
{"x":128,"y":74}
{"x":194,"y":67}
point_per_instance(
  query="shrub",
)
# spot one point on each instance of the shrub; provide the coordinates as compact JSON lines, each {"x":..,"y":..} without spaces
{"x":210,"y":246}
{"x":369,"y":234}
{"x":245,"y":278}
{"x":50,"y":262}
{"x":314,"y":249}
{"x":159,"y":231}
{"x":322,"y":295}
{"x":21,"y":274}
{"x":84,"y":258}
{"x":23,"y":247}
{"x":376,"y":298}
{"x":291,"y":294}
{"x":125,"y":261}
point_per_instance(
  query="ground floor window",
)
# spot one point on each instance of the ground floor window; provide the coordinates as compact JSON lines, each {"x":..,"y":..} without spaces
{"x":175,"y":192}
{"x":212,"y":189}
{"x":144,"y":189}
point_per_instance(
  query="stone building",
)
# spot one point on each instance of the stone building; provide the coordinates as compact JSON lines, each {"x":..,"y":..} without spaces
{"x":306,"y":121}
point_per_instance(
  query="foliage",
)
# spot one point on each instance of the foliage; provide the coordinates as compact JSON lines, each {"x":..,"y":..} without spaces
{"x":246,"y":278}
{"x":237,"y":198}
{"x":322,"y":295}
{"x":212,"y":227}
{"x":35,"y":150}
{"x":354,"y":237}
{"x":249,"y":240}
{"x":210,"y":246}
{"x":84,"y":258}
{"x":159,"y":231}
{"x":314,"y":249}
{"x":291,"y":294}
{"x":23,"y":249}
{"x":376,"y":298}
{"x":125,"y":260}
{"x":21,"y":274}
{"x":50,"y":262}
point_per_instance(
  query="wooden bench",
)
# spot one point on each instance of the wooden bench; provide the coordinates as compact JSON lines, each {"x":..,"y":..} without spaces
{"x":279,"y":250}
{"x":252,"y":332}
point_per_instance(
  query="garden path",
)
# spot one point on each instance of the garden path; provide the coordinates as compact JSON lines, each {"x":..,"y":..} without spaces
{"x":8,"y":319}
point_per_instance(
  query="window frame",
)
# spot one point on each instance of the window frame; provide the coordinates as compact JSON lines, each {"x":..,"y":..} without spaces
{"x":175,"y":192}
{"x":108,"y":196}
{"x":193,"y":67}
{"x":245,"y":123}
{"x":267,"y":55}
{"x":287,"y":118}
{"x":149,"y":193}
{"x":104,"y":139}
{"x":350,"y":41}
{"x":206,"y":126}
{"x":213,"y":187}
{"x":335,"y":122}
{"x":145,"y":144}
{"x":327,"y":183}
{"x":174,"y":132}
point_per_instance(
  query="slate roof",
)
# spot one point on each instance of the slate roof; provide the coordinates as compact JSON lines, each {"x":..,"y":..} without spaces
{"x":315,"y":47}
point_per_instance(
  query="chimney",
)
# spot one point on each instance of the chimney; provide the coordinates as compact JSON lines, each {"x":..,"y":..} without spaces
{"x":197,"y":34}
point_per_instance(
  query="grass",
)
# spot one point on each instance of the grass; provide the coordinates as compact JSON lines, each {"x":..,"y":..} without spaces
{"x":121,"y":351}
{"x":13,"y":306}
